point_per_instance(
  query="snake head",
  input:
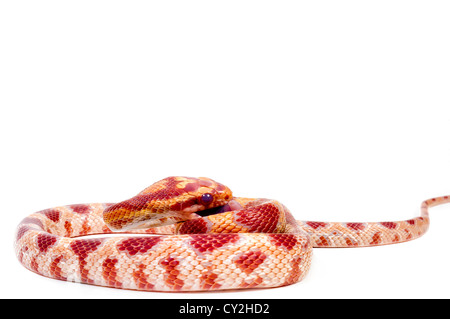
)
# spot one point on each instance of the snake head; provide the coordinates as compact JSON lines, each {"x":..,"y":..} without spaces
{"x":171,"y":200}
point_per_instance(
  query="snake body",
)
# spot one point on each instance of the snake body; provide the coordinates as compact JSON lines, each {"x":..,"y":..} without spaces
{"x":202,"y":239}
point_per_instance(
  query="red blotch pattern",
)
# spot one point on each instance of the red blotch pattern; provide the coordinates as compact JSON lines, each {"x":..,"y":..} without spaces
{"x":82,"y":247}
{"x":138,"y":245}
{"x":109,"y":272}
{"x":34,"y":265}
{"x":409,"y":234}
{"x":85,"y":228}
{"x":68,"y":228}
{"x":249,"y":261}
{"x":356,"y":226}
{"x":390,"y":225}
{"x":171,"y":273}
{"x":210,"y":242}
{"x":140,"y":278}
{"x":55,"y":270}
{"x":255,"y":282}
{"x":296,"y":272}
{"x":287,"y":241}
{"x":323,"y":241}
{"x":350,"y":242}
{"x":208,"y":281}
{"x":51,"y":214}
{"x":44,"y":241}
{"x":376,"y":239}
{"x":260,"y":219}
{"x":191,"y":187}
{"x":195,"y":226}
{"x":81,"y":208}
{"x":316,"y":225}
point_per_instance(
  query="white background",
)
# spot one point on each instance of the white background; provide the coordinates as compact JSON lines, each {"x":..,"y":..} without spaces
{"x":339,"y":109}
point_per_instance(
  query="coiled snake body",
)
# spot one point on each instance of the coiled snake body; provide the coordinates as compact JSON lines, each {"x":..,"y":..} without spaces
{"x":204,"y":239}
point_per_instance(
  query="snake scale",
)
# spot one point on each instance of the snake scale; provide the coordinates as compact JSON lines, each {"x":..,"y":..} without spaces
{"x":191,"y":234}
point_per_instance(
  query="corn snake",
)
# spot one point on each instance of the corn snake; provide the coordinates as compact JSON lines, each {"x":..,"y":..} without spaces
{"x":203,"y":239}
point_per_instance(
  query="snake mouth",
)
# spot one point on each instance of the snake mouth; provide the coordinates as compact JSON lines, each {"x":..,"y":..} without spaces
{"x":228,"y":207}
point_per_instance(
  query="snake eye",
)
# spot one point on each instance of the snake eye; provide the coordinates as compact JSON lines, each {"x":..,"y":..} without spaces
{"x":206,"y":199}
